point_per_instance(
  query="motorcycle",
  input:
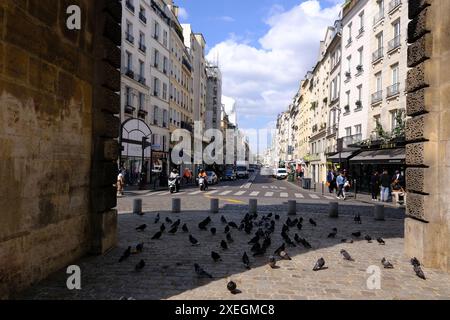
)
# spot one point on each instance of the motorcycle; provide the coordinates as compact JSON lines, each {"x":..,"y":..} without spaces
{"x":202,"y":184}
{"x":174,"y":185}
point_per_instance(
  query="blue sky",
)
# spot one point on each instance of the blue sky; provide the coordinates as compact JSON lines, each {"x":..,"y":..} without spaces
{"x":265,"y":48}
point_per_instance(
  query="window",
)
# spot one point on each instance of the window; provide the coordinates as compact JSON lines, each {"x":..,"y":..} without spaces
{"x":395,"y":74}
{"x":349,"y":28}
{"x":156,"y":31}
{"x":348,"y":132}
{"x":141,"y":69}
{"x":165,"y":118}
{"x":155,"y":115}
{"x":348,"y":98}
{"x":349,"y":65}
{"x":164,"y":94}
{"x":361,"y":22}
{"x":165,"y":38}
{"x":156,"y":59}
{"x":129,"y":61}
{"x":394,"y":115}
{"x":379,"y":81}
{"x":376,"y":120}
{"x":156,"y":87}
{"x":165,"y":61}
{"x":128,"y":96}
{"x":379,"y":40}
{"x":141,"y":41}
{"x":359,"y":93}
{"x":396,"y":28}
{"x":358,"y":129}
{"x":141,"y":100}
{"x":361,"y":56}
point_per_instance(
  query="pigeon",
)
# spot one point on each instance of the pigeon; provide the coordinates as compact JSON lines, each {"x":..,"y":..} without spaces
{"x":246,"y":260}
{"x":157,"y":235}
{"x":368,"y":238}
{"x":202,"y":225}
{"x":285,"y":229}
{"x":162,"y":228}
{"x":233,"y":225}
{"x":277,"y":217}
{"x":125,"y":255}
{"x":140,"y":247}
{"x":224,"y":245}
{"x":299,"y":226}
{"x":173,"y":230}
{"x":297,"y":238}
{"x":168,"y":220}
{"x":229,"y":238}
{"x":333,"y":234}
{"x":141,"y":228}
{"x":270,"y":215}
{"x":311,"y":221}
{"x":254,"y":240}
{"x":319,"y":264}
{"x":216,"y":257}
{"x":387,"y":264}
{"x":140,"y":265}
{"x":256,"y":247}
{"x":185,"y":228}
{"x":300,"y":220}
{"x":266,"y":243}
{"x":227,"y":229}
{"x":419,"y":272}
{"x":158,"y":217}
{"x":193,"y":241}
{"x":176,"y":224}
{"x":306,"y":244}
{"x":356,"y":234}
{"x":415,"y":262}
{"x":213,"y":231}
{"x":381,"y":241}
{"x":289,"y":241}
{"x":272,"y":262}
{"x":232,"y":287}
{"x":223,"y":220}
{"x":282,"y":248}
{"x":284,"y":255}
{"x":200,"y":272}
{"x":346,"y":255}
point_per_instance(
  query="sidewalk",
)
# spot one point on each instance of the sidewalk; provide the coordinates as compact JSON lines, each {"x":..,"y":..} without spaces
{"x":351,"y":197}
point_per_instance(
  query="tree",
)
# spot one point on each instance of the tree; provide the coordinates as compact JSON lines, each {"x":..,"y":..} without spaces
{"x":399,"y":131}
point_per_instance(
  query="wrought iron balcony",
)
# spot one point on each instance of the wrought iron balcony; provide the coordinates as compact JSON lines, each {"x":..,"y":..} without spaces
{"x":377,"y":97}
{"x":129,"y":5}
{"x":358,"y":104}
{"x":129,"y":73}
{"x":350,"y":140}
{"x":129,"y":109}
{"x":359,"y":68}
{"x":393,"y":90}
{"x":378,"y":18}
{"x":346,"y":109}
{"x":394,"y":4}
{"x":394,"y":43}
{"x":377,"y":55}
{"x":142,"y":17}
{"x":142,"y":113}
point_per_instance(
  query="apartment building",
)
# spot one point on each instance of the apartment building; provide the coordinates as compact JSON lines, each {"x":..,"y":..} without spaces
{"x":213,"y":97}
{"x":356,"y":67}
{"x":388,"y":66}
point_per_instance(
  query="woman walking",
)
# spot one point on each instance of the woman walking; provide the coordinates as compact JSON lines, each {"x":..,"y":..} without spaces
{"x":375,"y":185}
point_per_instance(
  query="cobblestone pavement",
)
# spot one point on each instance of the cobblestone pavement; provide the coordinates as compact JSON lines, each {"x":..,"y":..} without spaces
{"x":169,"y":273}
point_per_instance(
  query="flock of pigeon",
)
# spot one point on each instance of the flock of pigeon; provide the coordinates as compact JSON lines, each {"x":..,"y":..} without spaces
{"x":260,"y":242}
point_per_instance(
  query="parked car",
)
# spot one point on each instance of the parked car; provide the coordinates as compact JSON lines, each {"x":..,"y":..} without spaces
{"x":230,"y":174}
{"x":242,"y":172}
{"x":280,"y":173}
{"x":212,"y":178}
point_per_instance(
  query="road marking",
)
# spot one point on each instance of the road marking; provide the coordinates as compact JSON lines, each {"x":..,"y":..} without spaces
{"x":254,"y":194}
{"x":268,"y":194}
{"x":225,"y":193}
{"x":283,"y":188}
{"x":314,"y":196}
{"x":194,"y":193}
{"x":329,"y":197}
{"x":212,"y":192}
{"x":299,"y":195}
{"x":284,"y":195}
{"x":265,"y":187}
{"x":246,"y":186}
{"x":240,"y":193}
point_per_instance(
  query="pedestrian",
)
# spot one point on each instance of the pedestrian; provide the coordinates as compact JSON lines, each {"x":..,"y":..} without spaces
{"x":341,"y":181}
{"x":120,"y":184}
{"x":397,"y":181}
{"x":385,"y":182}
{"x":375,"y":185}
{"x":331,"y":181}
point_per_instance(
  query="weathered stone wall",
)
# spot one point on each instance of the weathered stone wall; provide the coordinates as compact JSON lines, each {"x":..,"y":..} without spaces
{"x":428,"y":133}
{"x":57,"y":131}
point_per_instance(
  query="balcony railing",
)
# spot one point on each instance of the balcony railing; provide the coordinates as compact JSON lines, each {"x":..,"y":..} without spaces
{"x":393,"y":90}
{"x":394,"y":4}
{"x":394,"y":43}
{"x":346,"y":109}
{"x":377,"y":55}
{"x":350,"y":140}
{"x":142,"y":17}
{"x":142,"y":113}
{"x":378,"y":17}
{"x":377,"y":97}
{"x":129,"y":108}
{"x":129,"y":5}
{"x":129,"y":37}
{"x":129,"y":73}
{"x":359,"y":68}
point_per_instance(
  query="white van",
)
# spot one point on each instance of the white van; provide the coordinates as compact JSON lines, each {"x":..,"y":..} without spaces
{"x":280,"y":173}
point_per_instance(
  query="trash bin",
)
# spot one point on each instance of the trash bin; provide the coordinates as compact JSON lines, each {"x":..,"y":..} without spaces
{"x":306,"y":183}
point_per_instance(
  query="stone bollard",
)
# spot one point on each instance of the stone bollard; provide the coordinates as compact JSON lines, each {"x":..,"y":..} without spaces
{"x":253,"y":206}
{"x":292,"y":207}
{"x":176,"y":205}
{"x":379,"y":212}
{"x":214,"y":205}
{"x":137,"y":206}
{"x":334,"y":210}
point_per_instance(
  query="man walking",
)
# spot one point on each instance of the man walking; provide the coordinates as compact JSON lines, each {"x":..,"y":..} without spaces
{"x":331,"y":181}
{"x":341,"y":180}
{"x":385,"y":182}
{"x":375,"y":185}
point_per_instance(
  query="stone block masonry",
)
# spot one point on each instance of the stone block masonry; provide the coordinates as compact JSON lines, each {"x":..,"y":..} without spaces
{"x":427,"y":234}
{"x":58,"y":133}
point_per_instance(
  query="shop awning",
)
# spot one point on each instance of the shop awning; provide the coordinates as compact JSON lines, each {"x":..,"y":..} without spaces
{"x":384,"y":156}
{"x":343,"y":156}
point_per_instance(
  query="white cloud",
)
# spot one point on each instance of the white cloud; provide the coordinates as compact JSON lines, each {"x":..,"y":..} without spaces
{"x":264,"y":80}
{"x":183,"y":14}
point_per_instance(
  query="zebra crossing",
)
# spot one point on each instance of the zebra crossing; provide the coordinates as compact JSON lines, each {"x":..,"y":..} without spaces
{"x":248,"y":193}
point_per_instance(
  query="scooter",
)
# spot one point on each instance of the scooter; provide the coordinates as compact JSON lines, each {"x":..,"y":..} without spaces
{"x":202,"y":184}
{"x":174,"y":185}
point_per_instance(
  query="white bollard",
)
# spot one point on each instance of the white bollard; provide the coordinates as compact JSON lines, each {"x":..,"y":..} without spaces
{"x":176,"y":205}
{"x":137,"y":206}
{"x":379,"y":212}
{"x":253,"y":206}
{"x":292,"y":207}
{"x":334,"y":210}
{"x":214,"y":205}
